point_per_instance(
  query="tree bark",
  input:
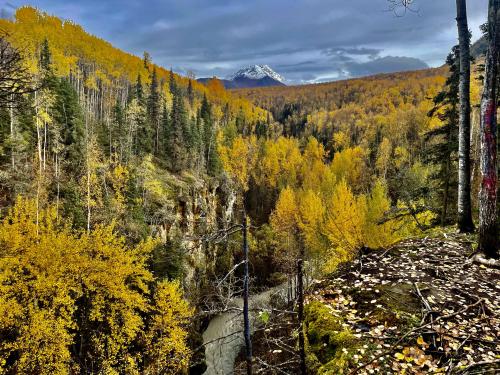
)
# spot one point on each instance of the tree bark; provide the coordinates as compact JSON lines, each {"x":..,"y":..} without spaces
{"x":87,"y":151}
{"x":246,"y":318}
{"x":39,"y":176}
{"x":300,"y":287}
{"x":12,"y":134}
{"x":446,"y":189}
{"x":465,"y":223}
{"x":488,"y":235}
{"x":444,"y":212}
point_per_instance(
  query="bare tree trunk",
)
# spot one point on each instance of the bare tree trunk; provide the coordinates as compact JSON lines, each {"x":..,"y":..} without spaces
{"x":87,"y":151}
{"x":246,"y":318}
{"x":465,"y":223}
{"x":12,"y":133}
{"x":488,"y":235}
{"x":300,"y":289}
{"x":58,"y":186}
{"x":39,"y":152}
{"x":444,"y":212}
{"x":44,"y":145}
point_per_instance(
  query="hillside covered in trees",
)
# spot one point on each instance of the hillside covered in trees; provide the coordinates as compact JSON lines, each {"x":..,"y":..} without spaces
{"x":141,"y":208}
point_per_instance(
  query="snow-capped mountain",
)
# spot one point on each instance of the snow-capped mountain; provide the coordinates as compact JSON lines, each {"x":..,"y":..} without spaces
{"x":252,"y":76}
{"x":256,"y":72}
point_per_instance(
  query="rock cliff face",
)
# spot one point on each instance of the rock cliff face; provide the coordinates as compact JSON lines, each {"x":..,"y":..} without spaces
{"x":194,"y":210}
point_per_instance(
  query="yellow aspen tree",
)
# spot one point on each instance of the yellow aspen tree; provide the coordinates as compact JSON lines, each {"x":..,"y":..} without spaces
{"x":285,"y":226}
{"x":344,"y":224}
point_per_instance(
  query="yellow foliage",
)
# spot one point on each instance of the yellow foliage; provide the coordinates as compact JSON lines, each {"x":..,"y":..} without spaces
{"x":153,"y":186}
{"x":384,"y":156}
{"x":401,"y":156}
{"x":104,"y":67}
{"x":344,"y":223}
{"x":340,"y":140}
{"x":284,"y":223}
{"x":119,"y":177}
{"x":70,"y":299}
{"x":238,"y":159}
{"x":310,"y":220}
{"x":279,"y":163}
{"x":314,"y":170}
{"x":166,"y":330}
{"x":379,"y":234}
{"x":350,"y":165}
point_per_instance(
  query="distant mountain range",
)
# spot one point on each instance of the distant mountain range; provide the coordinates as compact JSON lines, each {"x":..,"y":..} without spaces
{"x":251,"y":76}
{"x":263,"y":75}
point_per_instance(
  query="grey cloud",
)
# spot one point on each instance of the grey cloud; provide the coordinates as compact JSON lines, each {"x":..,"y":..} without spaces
{"x":324,"y":38}
{"x":385,"y":64}
{"x":344,"y":67}
{"x":352,"y":51}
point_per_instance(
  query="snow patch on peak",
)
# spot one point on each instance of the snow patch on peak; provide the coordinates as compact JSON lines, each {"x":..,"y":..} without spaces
{"x":257,"y":72}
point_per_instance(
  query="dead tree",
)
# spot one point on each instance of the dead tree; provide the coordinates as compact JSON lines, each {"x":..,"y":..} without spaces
{"x":465,"y":223}
{"x":246,"y":317}
{"x":300,"y":284}
{"x":223,"y":235}
{"x":15,"y":79}
{"x":488,"y":235}
{"x":405,"y":5}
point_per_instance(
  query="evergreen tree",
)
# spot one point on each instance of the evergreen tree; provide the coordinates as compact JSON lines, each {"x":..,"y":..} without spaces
{"x":67,"y":114}
{"x":171,"y":82}
{"x":144,"y":142}
{"x":153,"y":109}
{"x":45,"y":56}
{"x":206,"y":117}
{"x":146,"y":60}
{"x":211,"y":155}
{"x":443,"y":141}
{"x":48,"y":78}
{"x":166,"y":132}
{"x":118,"y":134}
{"x":178,"y":122}
{"x":200,"y":141}
{"x":190,"y":93}
{"x":139,"y":92}
{"x":195,"y":141}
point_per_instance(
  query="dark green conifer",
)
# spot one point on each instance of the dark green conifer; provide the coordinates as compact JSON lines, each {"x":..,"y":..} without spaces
{"x":442,"y":142}
{"x":171,"y":82}
{"x":210,"y":144}
{"x":177,"y":144}
{"x":139,"y":92}
{"x":153,"y":110}
{"x":67,"y":115}
{"x":190,"y":93}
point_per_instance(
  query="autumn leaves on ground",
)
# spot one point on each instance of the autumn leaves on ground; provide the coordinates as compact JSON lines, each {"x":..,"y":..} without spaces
{"x":122,"y":190}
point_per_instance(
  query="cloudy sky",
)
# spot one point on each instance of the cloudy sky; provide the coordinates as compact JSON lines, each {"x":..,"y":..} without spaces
{"x":304,"y":40}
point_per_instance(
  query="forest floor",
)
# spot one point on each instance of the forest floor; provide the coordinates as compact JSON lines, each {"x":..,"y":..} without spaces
{"x":422,"y":306}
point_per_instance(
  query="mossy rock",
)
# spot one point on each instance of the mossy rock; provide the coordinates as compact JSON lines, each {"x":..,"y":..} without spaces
{"x":329,"y":344}
{"x":400,"y":299}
